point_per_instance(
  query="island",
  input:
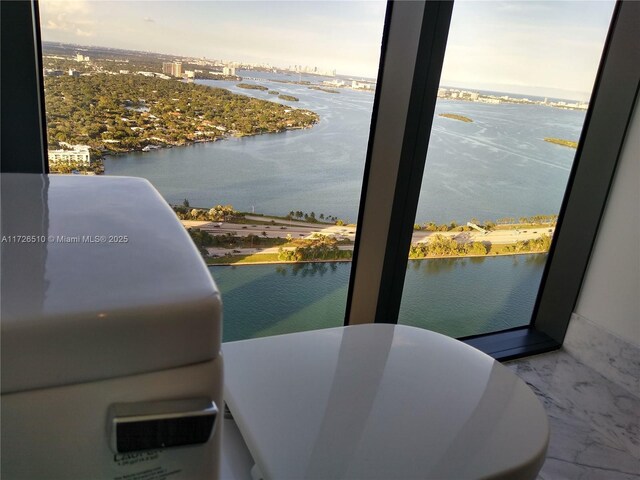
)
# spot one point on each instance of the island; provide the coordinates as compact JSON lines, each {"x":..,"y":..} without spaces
{"x":227,"y":237}
{"x":251,"y":86}
{"x":560,"y":141}
{"x":454,"y":116}
{"x":323,"y":89}
{"x":289,"y":98}
{"x":123,"y":113}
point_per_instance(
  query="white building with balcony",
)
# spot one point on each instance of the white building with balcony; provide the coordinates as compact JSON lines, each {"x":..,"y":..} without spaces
{"x":76,"y":153}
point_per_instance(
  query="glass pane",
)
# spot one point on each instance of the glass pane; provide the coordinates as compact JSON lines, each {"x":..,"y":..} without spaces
{"x":250,"y":118}
{"x":516,"y":80}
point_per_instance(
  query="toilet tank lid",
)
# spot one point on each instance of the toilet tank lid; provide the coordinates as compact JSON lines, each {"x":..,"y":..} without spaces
{"x":99,"y":280}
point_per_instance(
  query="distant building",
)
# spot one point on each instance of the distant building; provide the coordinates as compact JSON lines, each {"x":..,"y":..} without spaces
{"x":73,"y":73}
{"x":76,"y":153}
{"x":361,"y":85}
{"x":228,"y":71}
{"x":177,"y":69}
{"x":81,"y":58}
{"x":50,"y":72}
{"x":190,"y":73}
{"x":172,"y":68}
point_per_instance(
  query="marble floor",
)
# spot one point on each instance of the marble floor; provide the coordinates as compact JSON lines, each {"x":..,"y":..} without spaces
{"x":594,"y":422}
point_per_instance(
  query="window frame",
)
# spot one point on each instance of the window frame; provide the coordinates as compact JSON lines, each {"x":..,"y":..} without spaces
{"x":413,"y":46}
{"x":24,"y":124}
{"x":610,"y":109}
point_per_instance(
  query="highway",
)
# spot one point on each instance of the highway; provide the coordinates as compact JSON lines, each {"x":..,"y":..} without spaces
{"x":305,"y":230}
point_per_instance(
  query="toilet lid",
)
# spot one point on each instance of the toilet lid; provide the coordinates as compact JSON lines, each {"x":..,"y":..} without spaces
{"x":99,"y":280}
{"x":381,"y":402}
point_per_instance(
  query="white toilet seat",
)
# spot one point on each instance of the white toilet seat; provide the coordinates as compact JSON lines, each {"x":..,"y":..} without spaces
{"x":381,"y":401}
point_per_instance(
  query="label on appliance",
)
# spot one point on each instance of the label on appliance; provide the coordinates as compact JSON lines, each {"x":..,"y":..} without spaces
{"x":150,"y":465}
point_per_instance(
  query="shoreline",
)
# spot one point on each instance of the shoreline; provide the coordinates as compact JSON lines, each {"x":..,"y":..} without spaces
{"x":345,"y":260}
{"x":191,"y":143}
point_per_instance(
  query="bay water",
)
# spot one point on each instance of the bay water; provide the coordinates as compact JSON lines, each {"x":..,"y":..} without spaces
{"x":496,"y":166}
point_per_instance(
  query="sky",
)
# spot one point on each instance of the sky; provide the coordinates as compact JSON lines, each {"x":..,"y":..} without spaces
{"x":548,"y":48}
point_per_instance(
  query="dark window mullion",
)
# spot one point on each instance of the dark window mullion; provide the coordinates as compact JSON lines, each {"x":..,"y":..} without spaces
{"x":426,"y":80}
{"x":23,"y":117}
{"x":405,"y":104}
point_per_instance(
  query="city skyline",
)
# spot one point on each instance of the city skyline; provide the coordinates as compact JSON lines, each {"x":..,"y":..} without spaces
{"x":535,"y":48}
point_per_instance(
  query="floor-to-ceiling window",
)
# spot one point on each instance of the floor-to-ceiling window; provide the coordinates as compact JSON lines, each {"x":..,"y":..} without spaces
{"x":251,"y":119}
{"x":514,"y":92}
{"x":269,"y":171}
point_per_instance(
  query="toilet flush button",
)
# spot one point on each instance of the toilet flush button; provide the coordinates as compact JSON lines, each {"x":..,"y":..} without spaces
{"x":161,"y":424}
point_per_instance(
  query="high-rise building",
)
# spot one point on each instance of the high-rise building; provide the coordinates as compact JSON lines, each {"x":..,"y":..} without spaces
{"x":177,"y":69}
{"x":172,"y":68}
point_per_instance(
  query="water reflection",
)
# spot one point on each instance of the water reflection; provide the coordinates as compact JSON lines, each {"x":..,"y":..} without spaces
{"x":306,"y":269}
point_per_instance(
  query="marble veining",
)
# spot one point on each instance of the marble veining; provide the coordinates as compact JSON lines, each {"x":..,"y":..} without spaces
{"x":594,"y":422}
{"x":607,"y":354}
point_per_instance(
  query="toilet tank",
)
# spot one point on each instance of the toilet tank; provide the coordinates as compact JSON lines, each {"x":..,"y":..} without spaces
{"x":110,"y":334}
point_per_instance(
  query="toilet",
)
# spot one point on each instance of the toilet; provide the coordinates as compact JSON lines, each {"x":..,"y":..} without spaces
{"x":111,"y":332}
{"x":112,"y":364}
{"x":381,"y":401}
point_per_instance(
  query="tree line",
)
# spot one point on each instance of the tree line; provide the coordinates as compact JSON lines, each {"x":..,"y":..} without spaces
{"x":218,"y":213}
{"x":488,"y":224}
{"x":540,"y":244}
{"x":441,"y":246}
{"x":319,"y":248}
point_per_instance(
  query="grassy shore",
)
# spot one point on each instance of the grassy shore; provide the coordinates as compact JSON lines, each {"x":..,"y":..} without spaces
{"x":454,"y":116}
{"x":272,"y":258}
{"x":561,"y":141}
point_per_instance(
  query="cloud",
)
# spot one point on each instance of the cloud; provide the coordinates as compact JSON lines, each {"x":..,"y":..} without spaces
{"x":149,"y":20}
{"x":67,"y":17}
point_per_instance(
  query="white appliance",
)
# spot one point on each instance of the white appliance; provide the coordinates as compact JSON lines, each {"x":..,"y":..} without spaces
{"x":111,"y":331}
